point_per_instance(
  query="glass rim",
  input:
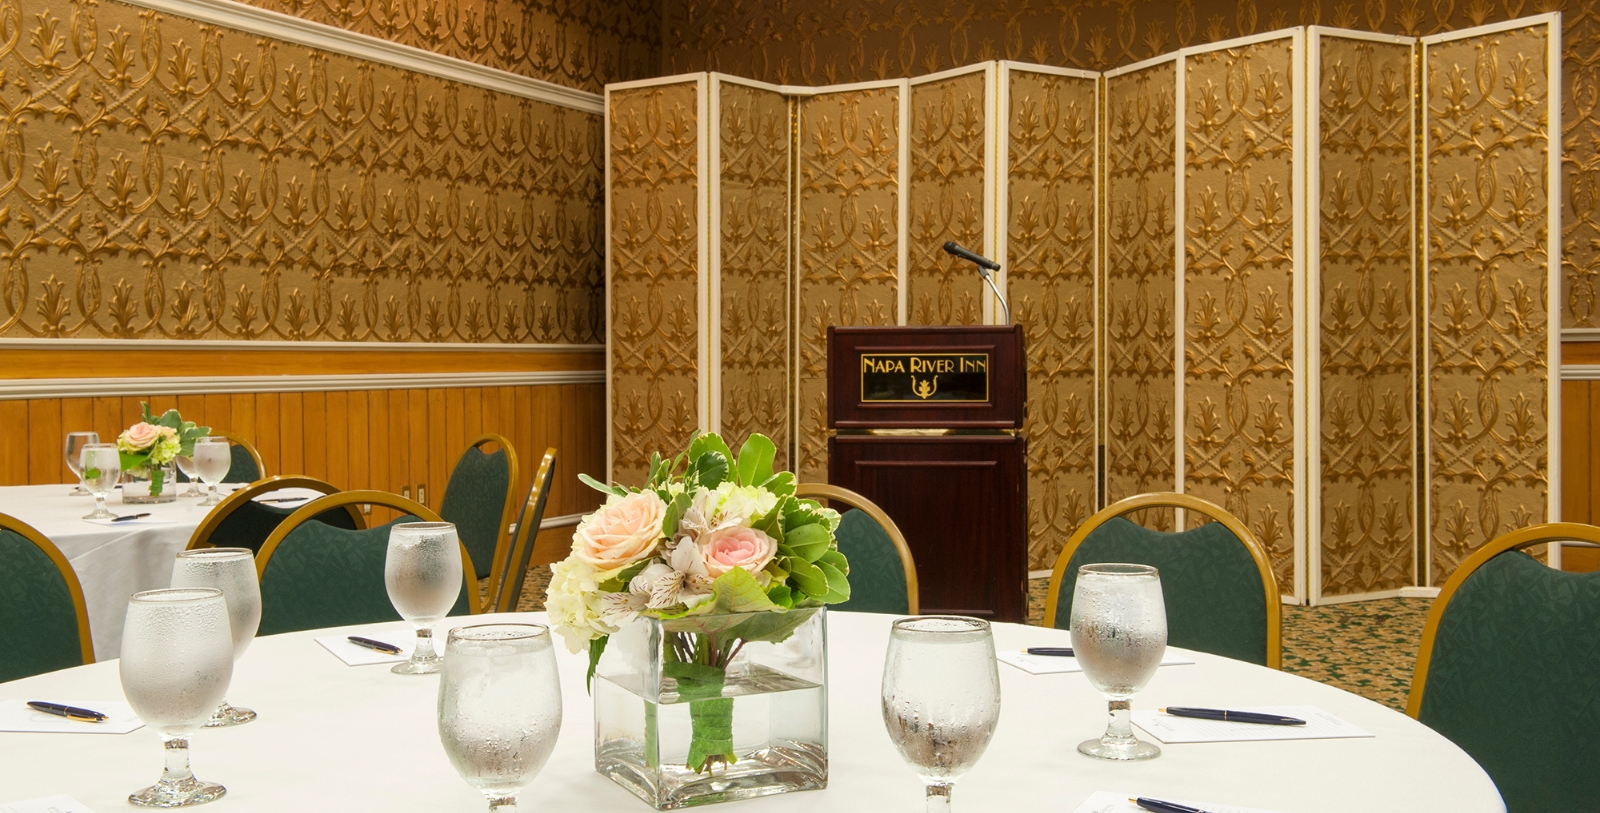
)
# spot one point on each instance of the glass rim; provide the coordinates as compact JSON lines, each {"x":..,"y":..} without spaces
{"x":424,"y":527}
{"x":82,"y":434}
{"x":211,"y":439}
{"x":498,"y":632}
{"x":174,"y":595}
{"x":99,"y":445}
{"x":217,"y":553}
{"x":1118,"y":569}
{"x":972,"y":625}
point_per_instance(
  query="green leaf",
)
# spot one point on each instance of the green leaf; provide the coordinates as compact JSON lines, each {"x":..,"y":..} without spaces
{"x":596,"y":646}
{"x":780,"y":594}
{"x":657,"y":474}
{"x":809,"y":542}
{"x":144,"y":412}
{"x":675,"y":509}
{"x":755,"y":459}
{"x":835,"y":558}
{"x":619,"y":582}
{"x":781,"y":484}
{"x":797,"y":512}
{"x":838,"y":585}
{"x":601,"y":487}
{"x":808,"y":577}
{"x":710,"y":469}
{"x":709,"y":442}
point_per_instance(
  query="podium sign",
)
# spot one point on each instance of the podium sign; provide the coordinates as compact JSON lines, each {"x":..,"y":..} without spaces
{"x":926,"y":377}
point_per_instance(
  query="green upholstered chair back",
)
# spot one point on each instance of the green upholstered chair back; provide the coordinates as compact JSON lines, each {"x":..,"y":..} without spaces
{"x":883,"y":577}
{"x":243,"y":469}
{"x":1513,"y":678}
{"x":1210,"y":580}
{"x":322,"y":576}
{"x":46,"y":626}
{"x":249,"y":525}
{"x":476,"y":500}
{"x":511,"y":564}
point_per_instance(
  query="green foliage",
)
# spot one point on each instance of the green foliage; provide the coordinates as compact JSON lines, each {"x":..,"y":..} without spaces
{"x":597,"y":646}
{"x":809,"y":542}
{"x":755,"y":460}
{"x":602,"y":487}
{"x":188,"y":432}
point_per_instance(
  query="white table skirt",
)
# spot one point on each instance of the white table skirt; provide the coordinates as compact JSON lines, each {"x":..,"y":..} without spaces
{"x":112,"y":562}
{"x":335,"y":737}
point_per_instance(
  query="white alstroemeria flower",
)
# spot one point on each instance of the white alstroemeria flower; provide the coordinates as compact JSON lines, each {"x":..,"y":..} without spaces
{"x":683,"y":579}
{"x":705,"y":515}
{"x":621,"y":608}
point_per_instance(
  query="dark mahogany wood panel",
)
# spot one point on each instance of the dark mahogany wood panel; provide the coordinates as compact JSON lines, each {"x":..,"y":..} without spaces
{"x":961,"y":501}
{"x":1007,"y":377}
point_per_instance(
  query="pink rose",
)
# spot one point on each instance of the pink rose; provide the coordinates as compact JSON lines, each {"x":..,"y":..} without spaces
{"x":139,"y":437}
{"x":728,"y":548}
{"x":621,"y":532}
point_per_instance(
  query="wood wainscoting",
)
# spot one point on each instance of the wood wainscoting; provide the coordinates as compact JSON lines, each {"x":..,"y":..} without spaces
{"x":1580,"y":447}
{"x":388,"y":417}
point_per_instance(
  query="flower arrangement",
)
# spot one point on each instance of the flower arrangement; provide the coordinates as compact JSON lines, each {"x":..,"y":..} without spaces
{"x":149,"y":445}
{"x":709,"y":535}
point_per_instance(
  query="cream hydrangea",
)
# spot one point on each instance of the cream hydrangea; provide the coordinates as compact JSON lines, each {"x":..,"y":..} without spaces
{"x":748,"y":503}
{"x":574,"y":604}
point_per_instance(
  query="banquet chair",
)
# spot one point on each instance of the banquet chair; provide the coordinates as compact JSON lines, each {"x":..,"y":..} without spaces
{"x":883,"y":576}
{"x":242,"y":522}
{"x":481,"y":498}
{"x":1509,"y":670}
{"x":510,"y":570}
{"x":317,"y":575}
{"x":247,"y":466}
{"x":1216,"y":580}
{"x":47,"y":626}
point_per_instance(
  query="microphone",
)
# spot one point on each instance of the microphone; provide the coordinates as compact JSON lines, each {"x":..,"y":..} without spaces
{"x":982,"y":262}
{"x":985,"y":265}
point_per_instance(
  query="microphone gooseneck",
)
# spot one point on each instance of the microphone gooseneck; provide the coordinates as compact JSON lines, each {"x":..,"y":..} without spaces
{"x":985,"y":265}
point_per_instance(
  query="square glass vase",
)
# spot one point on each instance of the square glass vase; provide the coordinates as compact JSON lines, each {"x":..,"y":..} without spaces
{"x":679,"y":733}
{"x":151,"y":484}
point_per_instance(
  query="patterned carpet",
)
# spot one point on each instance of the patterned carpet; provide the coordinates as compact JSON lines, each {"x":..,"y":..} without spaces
{"x":1367,"y":647}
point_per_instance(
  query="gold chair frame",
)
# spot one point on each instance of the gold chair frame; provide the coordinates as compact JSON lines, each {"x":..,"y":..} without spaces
{"x":508,"y":513}
{"x":503,"y":595}
{"x":1188,"y":502}
{"x":201,"y":538}
{"x":860,"y":503}
{"x":342,"y":499}
{"x":74,"y":588}
{"x":1515,"y":540}
{"x":238,"y":440}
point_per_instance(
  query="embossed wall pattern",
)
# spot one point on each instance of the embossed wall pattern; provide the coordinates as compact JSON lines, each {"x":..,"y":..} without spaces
{"x":946,"y":196}
{"x":1239,"y":384}
{"x":849,"y":225}
{"x":1488,"y":433}
{"x":654,"y":273}
{"x":1050,"y":287}
{"x":755,"y":141}
{"x":1367,"y":373}
{"x":165,"y":178}
{"x":1139,"y":277}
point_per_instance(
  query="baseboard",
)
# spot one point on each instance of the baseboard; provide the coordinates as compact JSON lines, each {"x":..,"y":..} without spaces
{"x":1038,"y":574}
{"x":1419,"y":592}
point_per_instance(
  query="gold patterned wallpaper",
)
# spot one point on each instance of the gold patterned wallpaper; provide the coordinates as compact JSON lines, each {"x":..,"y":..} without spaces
{"x":755,"y":144}
{"x":948,"y":155}
{"x":1367,"y":376}
{"x":1141,"y":243}
{"x":654,"y":274}
{"x":1487,"y":199}
{"x":850,"y":195}
{"x":1050,"y":286}
{"x":1238,"y":299}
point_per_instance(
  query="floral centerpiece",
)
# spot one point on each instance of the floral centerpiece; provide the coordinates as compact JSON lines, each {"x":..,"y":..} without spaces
{"x":719,"y":555}
{"x":149,"y":448}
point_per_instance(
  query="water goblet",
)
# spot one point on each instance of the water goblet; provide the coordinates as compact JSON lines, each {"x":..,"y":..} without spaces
{"x":73,"y":449}
{"x":101,"y":465}
{"x":186,"y":465}
{"x":233,"y":571}
{"x":422,"y":572}
{"x":1119,"y":635}
{"x":212,"y":459}
{"x":941,"y":698}
{"x":177,"y":660}
{"x":499,"y":707}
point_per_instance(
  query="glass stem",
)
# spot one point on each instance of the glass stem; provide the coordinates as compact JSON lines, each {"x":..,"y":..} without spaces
{"x":424,"y":651}
{"x":100,"y":503}
{"x":1120,"y":727}
{"x":503,"y":804}
{"x":939,"y":796}
{"x":177,"y":769}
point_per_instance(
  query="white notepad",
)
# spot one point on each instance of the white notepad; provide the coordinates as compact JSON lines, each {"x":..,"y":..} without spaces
{"x":1320,"y":725}
{"x":16,"y":716}
{"x":1107,"y":802}
{"x":357,"y":655}
{"x":46,"y":804}
{"x":128,"y":523}
{"x":1058,"y":664}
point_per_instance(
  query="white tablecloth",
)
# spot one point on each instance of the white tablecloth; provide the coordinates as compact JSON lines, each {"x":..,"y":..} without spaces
{"x":112,"y":562}
{"x":336,"y":737}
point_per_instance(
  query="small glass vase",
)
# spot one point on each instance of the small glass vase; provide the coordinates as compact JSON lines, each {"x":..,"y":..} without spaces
{"x":150,"y":484}
{"x":678,"y":731}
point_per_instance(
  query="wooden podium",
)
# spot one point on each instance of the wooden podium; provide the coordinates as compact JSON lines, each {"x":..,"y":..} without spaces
{"x":927,"y":424}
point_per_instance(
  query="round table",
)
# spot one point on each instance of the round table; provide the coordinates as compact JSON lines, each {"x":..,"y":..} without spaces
{"x":336,"y":737}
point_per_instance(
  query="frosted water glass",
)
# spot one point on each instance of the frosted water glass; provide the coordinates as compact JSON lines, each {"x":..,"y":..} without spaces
{"x":499,"y":707}
{"x":212,"y":459}
{"x":102,"y":469}
{"x":1119,"y":635}
{"x":941,"y":698}
{"x":422,"y":572}
{"x":233,"y":571}
{"x":186,"y":465}
{"x":177,"y":660}
{"x":73,"y":450}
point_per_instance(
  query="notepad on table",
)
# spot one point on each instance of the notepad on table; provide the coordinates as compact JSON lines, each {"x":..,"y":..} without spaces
{"x":46,"y":804}
{"x":1107,"y":802}
{"x":358,"y":655}
{"x":128,"y":523}
{"x":1058,"y":664}
{"x":16,"y":716}
{"x":1320,"y":725}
